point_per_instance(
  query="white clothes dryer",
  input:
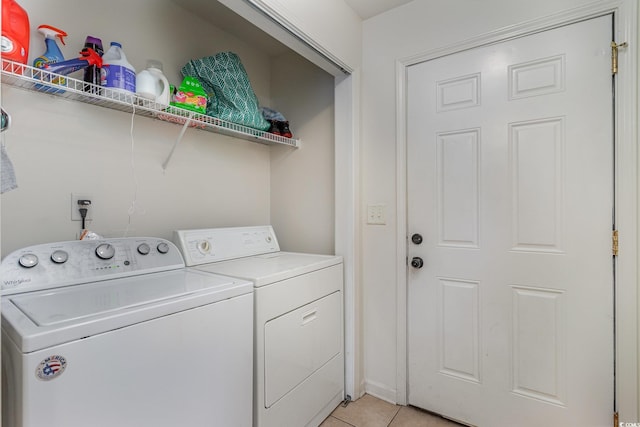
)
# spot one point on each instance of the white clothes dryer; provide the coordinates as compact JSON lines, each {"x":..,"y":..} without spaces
{"x":299,"y":357}
{"x":116,"y":332}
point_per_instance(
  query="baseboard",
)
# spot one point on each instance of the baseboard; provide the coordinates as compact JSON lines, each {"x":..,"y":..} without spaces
{"x":380,"y":391}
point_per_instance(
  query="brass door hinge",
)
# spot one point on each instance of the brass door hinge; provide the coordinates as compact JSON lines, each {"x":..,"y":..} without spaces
{"x":614,"y":55}
{"x":614,"y":242}
{"x":616,"y":422}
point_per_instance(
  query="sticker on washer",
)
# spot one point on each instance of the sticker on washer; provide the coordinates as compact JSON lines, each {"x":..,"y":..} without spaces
{"x":51,"y":367}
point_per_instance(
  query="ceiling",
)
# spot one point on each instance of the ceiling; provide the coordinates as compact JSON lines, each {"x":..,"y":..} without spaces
{"x":369,"y":8}
{"x":225,"y":19}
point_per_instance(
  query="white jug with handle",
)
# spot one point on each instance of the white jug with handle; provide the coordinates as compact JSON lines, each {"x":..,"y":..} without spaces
{"x":153,"y":85}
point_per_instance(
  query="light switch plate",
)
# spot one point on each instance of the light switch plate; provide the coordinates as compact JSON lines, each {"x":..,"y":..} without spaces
{"x":376,"y":214}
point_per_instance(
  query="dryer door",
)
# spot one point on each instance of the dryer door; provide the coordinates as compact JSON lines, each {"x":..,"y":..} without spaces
{"x":299,"y":343}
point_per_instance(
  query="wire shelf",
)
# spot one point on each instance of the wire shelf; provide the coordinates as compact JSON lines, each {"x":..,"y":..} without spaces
{"x":39,"y":80}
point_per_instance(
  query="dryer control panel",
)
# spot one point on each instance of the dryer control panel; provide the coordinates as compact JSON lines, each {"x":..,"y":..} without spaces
{"x":53,"y":265}
{"x":219,"y":244}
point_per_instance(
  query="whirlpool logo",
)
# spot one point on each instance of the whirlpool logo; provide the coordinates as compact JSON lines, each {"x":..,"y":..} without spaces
{"x":14,"y":282}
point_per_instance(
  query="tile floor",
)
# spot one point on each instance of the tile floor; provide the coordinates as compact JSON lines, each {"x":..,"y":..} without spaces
{"x":369,"y":411}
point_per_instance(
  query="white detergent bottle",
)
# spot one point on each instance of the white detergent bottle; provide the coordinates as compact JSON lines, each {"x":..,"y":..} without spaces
{"x":153,"y":85}
{"x":117,"y":73}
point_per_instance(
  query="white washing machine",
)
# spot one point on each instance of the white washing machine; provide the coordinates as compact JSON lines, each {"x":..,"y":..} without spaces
{"x":116,"y":332}
{"x":299,"y":357}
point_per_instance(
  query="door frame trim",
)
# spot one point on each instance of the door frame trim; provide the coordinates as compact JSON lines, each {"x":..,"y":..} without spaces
{"x":626,"y":168}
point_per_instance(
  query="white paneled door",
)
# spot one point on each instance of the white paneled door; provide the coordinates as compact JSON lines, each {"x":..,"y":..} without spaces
{"x":510,"y":186}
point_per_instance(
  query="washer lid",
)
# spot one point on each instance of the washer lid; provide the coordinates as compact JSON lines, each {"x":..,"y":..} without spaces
{"x":270,"y":268}
{"x":41,"y":319}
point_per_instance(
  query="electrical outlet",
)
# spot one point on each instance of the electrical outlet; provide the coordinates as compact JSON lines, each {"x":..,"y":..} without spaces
{"x":75,"y":213}
{"x":376,"y":214}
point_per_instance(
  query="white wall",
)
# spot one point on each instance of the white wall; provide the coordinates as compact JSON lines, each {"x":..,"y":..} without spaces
{"x":302,"y":181}
{"x":59,"y":147}
{"x":406,"y":31}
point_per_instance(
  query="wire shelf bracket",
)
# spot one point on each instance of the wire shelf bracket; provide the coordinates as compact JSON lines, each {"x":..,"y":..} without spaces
{"x":175,"y":144}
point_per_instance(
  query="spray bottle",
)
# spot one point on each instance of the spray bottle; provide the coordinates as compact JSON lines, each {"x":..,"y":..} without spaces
{"x":88,"y":58}
{"x":53,"y":53}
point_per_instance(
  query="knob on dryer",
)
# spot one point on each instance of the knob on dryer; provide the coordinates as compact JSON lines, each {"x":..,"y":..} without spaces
{"x":163,"y":248}
{"x":144,"y":249}
{"x":204,"y":247}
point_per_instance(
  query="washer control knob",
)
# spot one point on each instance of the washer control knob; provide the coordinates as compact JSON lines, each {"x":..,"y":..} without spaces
{"x":144,"y":249}
{"x":204,"y":247}
{"x":59,"y":256}
{"x":163,"y":248}
{"x":105,"y":251}
{"x":28,"y":260}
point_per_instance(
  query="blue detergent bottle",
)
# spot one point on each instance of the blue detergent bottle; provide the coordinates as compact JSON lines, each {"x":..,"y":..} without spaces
{"x":51,"y":55}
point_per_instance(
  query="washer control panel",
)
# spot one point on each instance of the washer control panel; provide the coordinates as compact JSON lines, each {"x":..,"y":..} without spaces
{"x":59,"y":264}
{"x":218,"y":244}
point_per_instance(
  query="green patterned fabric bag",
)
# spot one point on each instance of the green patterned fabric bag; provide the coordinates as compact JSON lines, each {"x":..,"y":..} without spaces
{"x":231,"y":96}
